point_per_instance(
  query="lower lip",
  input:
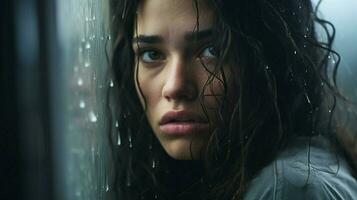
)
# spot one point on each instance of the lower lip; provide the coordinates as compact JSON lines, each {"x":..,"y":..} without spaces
{"x":184,"y":128}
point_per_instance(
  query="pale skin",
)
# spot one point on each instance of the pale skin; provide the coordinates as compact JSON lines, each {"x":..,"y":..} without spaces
{"x":170,"y":71}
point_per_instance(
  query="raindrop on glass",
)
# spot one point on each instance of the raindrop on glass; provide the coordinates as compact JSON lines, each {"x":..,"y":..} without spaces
{"x":92,"y":117}
{"x":155,"y":196}
{"x":117,"y":124}
{"x":153,"y":164}
{"x":93,"y":18}
{"x":267,"y":67}
{"x":329,"y":111}
{"x":86,"y":64}
{"x":78,"y":193}
{"x":93,"y":154}
{"x":128,"y":180}
{"x":111,"y":84}
{"x":107,"y":187}
{"x":130,"y":142}
{"x":308,"y":99}
{"x":109,"y":37}
{"x":82,"y":104}
{"x":246,"y":137}
{"x":87,"y":46}
{"x":295,"y":52}
{"x":80,"y":49}
{"x":119,"y":140}
{"x":80,"y":82}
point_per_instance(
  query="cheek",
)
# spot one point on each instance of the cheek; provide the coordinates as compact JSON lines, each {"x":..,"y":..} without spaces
{"x":150,"y":89}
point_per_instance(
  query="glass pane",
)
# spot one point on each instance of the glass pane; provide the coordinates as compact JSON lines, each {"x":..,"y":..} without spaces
{"x":83,"y":27}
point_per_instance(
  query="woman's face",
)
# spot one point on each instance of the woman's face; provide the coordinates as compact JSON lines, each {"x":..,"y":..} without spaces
{"x":171,"y":56}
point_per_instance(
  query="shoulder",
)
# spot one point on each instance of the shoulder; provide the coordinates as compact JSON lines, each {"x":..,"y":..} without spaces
{"x":303,"y":172}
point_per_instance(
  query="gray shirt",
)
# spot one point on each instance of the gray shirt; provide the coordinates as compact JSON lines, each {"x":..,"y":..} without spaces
{"x":291,"y":177}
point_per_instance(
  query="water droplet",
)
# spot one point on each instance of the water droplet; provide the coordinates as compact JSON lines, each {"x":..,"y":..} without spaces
{"x":87,"y":46}
{"x":294,"y":13}
{"x":150,"y":147}
{"x":305,"y":35}
{"x":82,"y":104}
{"x":300,"y":6}
{"x":295,"y":52}
{"x":93,"y":154}
{"x":93,"y":18}
{"x":92,"y":117}
{"x":119,"y":139}
{"x":329,"y":110}
{"x":117,"y":124}
{"x":87,"y":19}
{"x":153,"y":164}
{"x":322,"y":84}
{"x":86,"y":64}
{"x":333,"y":61}
{"x":107,"y":187}
{"x":111,"y":84}
{"x":155,"y":196}
{"x":128,"y":180}
{"x":102,"y":38}
{"x":83,"y":39}
{"x":80,"y":82}
{"x":109,"y":37}
{"x":308,"y":99}
{"x":267,"y":67}
{"x":130,"y":142}
{"x":78,"y":193}
{"x":80,"y":49}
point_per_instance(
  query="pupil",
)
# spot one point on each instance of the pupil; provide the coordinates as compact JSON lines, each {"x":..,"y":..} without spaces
{"x":213,"y":51}
{"x":153,"y":55}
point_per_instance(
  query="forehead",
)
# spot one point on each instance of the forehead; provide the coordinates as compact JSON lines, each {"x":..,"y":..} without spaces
{"x":172,"y":17}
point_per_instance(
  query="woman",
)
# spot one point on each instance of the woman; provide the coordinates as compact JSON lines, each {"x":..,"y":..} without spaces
{"x":226,"y":100}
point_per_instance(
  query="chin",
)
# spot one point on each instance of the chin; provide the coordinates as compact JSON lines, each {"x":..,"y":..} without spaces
{"x":180,"y":150}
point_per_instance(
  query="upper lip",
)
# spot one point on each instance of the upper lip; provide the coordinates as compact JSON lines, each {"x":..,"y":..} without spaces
{"x":182,"y":115}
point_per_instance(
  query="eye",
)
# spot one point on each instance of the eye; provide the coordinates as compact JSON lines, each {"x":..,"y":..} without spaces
{"x":150,"y":56}
{"x":209,"y":53}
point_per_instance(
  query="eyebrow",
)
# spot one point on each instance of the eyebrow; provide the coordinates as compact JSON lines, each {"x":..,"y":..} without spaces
{"x":190,"y":37}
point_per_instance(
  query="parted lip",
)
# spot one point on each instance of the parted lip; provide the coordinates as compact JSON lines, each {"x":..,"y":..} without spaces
{"x":181,"y":116}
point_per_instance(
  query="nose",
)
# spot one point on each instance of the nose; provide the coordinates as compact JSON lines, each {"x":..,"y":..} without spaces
{"x":180,"y":83}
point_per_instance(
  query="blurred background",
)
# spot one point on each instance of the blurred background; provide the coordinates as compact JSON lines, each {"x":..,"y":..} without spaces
{"x":54,"y":80}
